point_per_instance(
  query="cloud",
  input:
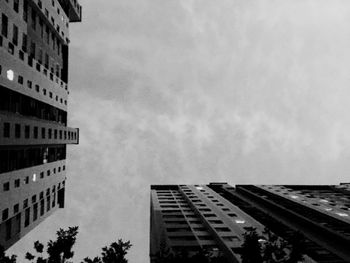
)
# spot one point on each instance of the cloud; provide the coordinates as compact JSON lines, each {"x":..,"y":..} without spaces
{"x":170,"y":92}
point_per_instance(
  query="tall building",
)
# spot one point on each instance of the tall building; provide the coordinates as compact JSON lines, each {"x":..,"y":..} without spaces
{"x":33,"y":111}
{"x":214,"y":217}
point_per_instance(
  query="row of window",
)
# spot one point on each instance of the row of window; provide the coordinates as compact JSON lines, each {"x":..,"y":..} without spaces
{"x":33,"y":132}
{"x":13,"y":225}
{"x":34,"y":178}
{"x":13,"y":101}
{"x":34,"y":52}
{"x":11,"y":75}
{"x":20,"y":157}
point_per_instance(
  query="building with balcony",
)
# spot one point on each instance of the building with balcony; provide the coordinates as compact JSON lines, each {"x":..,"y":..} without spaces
{"x":214,"y":218}
{"x":34,"y":39}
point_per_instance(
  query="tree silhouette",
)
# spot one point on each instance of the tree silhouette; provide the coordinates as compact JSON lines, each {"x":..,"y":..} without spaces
{"x":115,"y":253}
{"x":270,"y":248}
{"x":60,"y":250}
{"x":6,"y":259}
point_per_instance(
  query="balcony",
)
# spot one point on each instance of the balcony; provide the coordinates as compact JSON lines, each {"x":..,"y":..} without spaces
{"x":72,"y":9}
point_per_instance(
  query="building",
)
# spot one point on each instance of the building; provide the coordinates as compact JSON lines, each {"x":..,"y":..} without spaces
{"x":214,"y":217}
{"x":34,"y":42}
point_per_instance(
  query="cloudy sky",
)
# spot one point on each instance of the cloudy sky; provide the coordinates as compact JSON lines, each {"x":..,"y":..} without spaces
{"x":195,"y":91}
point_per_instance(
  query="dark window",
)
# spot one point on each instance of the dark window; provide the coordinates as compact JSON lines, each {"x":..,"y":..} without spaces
{"x":6,"y":186}
{"x":24,"y":42}
{"x":27,"y":217}
{"x":20,"y":79}
{"x":48,"y":204}
{"x":42,"y":207}
{"x":55,"y":134}
{"x":6,"y":129}
{"x":25,"y":11}
{"x":15,"y":208}
{"x":5,"y":214}
{"x":15,"y":5}
{"x":50,"y":133}
{"x":27,"y":131}
{"x":4,"y":25}
{"x":34,"y":199}
{"x":33,"y":19}
{"x":32,"y":49}
{"x":15,"y":35}
{"x":35,"y":132}
{"x":35,"y":212}
{"x":17,"y":130}
{"x":26,"y":180}
{"x":43,"y":132}
{"x":17,"y":183}
{"x":41,"y":175}
{"x":29,"y":84}
{"x":25,"y":203}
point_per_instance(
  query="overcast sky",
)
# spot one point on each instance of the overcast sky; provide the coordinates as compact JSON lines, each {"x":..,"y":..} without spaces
{"x":195,"y":91}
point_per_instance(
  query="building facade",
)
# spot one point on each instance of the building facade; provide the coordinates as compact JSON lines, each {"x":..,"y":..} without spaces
{"x":214,"y":217}
{"x":34,"y":41}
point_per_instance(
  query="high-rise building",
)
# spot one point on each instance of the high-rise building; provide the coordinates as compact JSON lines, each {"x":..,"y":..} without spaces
{"x":215,"y":217}
{"x":34,"y":42}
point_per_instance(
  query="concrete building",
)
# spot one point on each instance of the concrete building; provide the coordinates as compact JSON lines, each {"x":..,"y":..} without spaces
{"x":34,"y":42}
{"x":215,"y":217}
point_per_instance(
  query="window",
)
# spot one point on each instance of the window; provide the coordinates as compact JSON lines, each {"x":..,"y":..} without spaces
{"x":27,"y":216}
{"x":48,"y":204}
{"x":43,"y":131}
{"x":50,"y":133}
{"x":6,"y":186}
{"x":35,"y":212}
{"x":35,"y":132}
{"x":33,"y":19}
{"x":34,"y":199}
{"x":4,"y":25}
{"x":37,"y":88}
{"x":222,"y":229}
{"x":15,"y":208}
{"x":6,"y":129}
{"x":17,"y":183}
{"x":25,"y":11}
{"x":42,"y":207}
{"x":32,"y":49}
{"x":5,"y":214}
{"x":15,"y":35}
{"x":29,"y":84}
{"x":26,"y":180}
{"x":215,"y":221}
{"x":15,"y":5}
{"x":55,"y":134}
{"x":25,"y":203}
{"x":41,"y":175}
{"x":17,"y":130}
{"x":27,"y":131}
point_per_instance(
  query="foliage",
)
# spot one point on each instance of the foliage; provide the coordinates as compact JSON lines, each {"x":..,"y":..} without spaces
{"x":4,"y":258}
{"x":60,"y":250}
{"x":115,"y":253}
{"x":270,"y":248}
{"x":183,"y":256}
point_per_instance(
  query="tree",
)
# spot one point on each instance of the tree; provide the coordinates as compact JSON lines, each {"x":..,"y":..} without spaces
{"x":270,"y":248}
{"x":251,"y":249}
{"x":60,"y":250}
{"x":115,"y":253}
{"x":4,"y":258}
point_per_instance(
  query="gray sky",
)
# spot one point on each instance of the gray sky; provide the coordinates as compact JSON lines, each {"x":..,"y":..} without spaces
{"x":194,"y":91}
